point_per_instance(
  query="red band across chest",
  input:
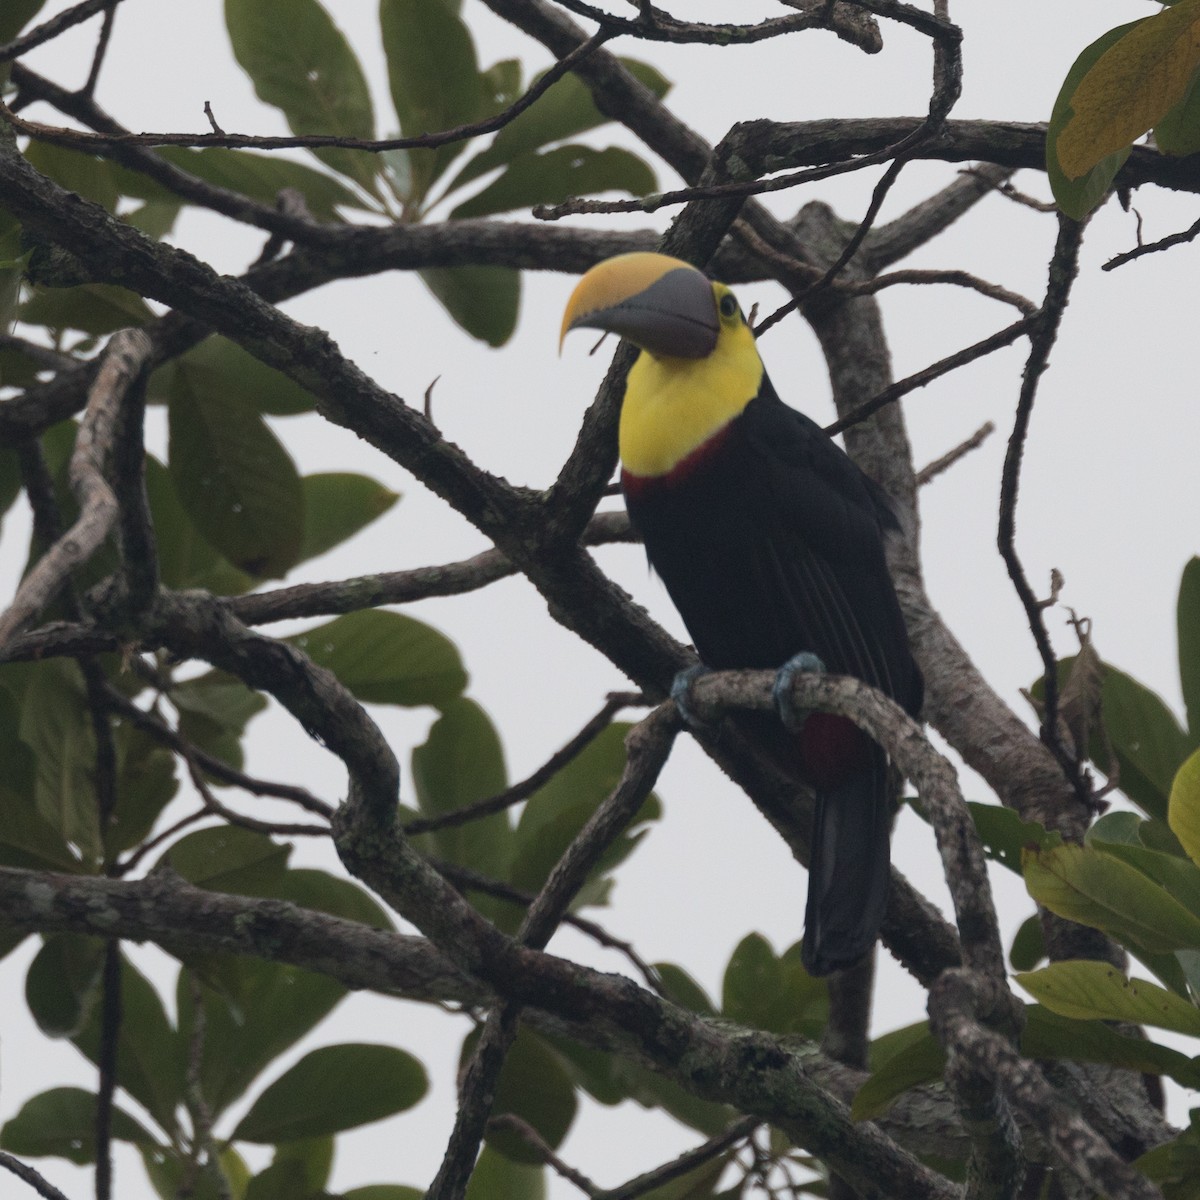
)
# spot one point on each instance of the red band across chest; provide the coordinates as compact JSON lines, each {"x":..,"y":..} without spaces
{"x":685,"y":469}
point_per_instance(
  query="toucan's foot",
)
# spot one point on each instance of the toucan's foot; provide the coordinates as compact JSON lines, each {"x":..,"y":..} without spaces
{"x":785,"y":677}
{"x":681,"y":691}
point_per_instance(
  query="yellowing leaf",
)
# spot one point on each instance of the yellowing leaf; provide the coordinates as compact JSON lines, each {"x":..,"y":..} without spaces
{"x":1183,"y":809}
{"x":1097,"y":991}
{"x":1132,"y":87}
{"x":1097,"y":889}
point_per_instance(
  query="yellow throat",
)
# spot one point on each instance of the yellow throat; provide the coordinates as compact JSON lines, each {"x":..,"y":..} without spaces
{"x":674,"y":405}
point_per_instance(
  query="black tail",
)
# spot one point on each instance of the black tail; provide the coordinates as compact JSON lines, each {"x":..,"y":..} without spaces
{"x":849,"y":870}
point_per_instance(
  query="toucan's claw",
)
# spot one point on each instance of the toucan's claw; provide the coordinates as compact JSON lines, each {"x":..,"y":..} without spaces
{"x":785,"y":677}
{"x":681,"y":691}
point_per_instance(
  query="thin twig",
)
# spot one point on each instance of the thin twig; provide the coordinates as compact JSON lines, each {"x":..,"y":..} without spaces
{"x":106,"y":1062}
{"x":48,"y":30}
{"x":955,"y":278}
{"x":520,"y":791}
{"x":95,"y":143}
{"x":110,"y":15}
{"x":216,"y":808}
{"x":203,"y":1141}
{"x":648,"y":744}
{"x":403,"y":587}
{"x":466,"y":880}
{"x":1174,"y":239}
{"x":689,"y":1160}
{"x":1064,"y":265}
{"x":947,"y":41}
{"x":930,"y":472}
{"x":43,"y":357}
{"x":126,"y":865}
{"x":851,"y":248}
{"x":960,"y":358}
{"x":511,"y":1123}
{"x":41,"y":1185}
{"x":157,"y":728}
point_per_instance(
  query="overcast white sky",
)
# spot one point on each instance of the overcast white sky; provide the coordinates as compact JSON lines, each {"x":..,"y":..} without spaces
{"x":1109,"y":492}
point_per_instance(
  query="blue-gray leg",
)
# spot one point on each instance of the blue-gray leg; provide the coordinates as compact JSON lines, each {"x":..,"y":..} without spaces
{"x":681,"y":690}
{"x":785,"y":677}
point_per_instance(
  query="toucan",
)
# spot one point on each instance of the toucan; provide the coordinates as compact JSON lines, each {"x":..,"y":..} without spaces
{"x":770,"y":541}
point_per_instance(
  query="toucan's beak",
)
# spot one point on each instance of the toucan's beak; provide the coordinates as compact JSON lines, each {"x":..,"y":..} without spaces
{"x":661,"y":304}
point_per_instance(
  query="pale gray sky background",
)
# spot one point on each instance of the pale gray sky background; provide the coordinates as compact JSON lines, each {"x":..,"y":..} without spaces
{"x":1109,"y":492}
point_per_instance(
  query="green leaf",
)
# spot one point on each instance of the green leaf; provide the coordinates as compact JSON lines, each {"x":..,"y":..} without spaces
{"x":680,"y":988}
{"x":1138,"y":79}
{"x":219,"y":365}
{"x":564,"y":110}
{"x":146,"y":784}
{"x":63,"y":982}
{"x":300,"y":62}
{"x":332,"y":1089}
{"x":387,"y":658}
{"x":1049,"y":1035}
{"x":331,"y":894}
{"x":500,"y":86}
{"x":185,"y":558}
{"x":1097,"y":889}
{"x":337,"y":505}
{"x":772,"y":993}
{"x":1029,"y":945}
{"x":1175,"y":1165}
{"x":1149,"y":743}
{"x":260,"y":1010}
{"x":1178,"y":133}
{"x":498,"y":1178}
{"x":229,"y":859}
{"x":283,"y":1180}
{"x":920,"y":1062}
{"x":173,"y":1174}
{"x":223,"y":698}
{"x":1091,"y":990}
{"x":83,"y":174}
{"x":154,"y":220}
{"x":536,"y":1086}
{"x":214,"y":711}
{"x":28,"y":839}
{"x":57,"y":727}
{"x":1183,"y":812}
{"x":263,"y":176}
{"x":384,"y":1191}
{"x":462,"y":761}
{"x":15,"y":15}
{"x":95,"y":308}
{"x":1187,"y":616}
{"x":557,"y":811}
{"x":554,"y":175}
{"x":1172,"y":871}
{"x":699,"y":1183}
{"x":484,"y":301}
{"x":1005,"y":835}
{"x":298,"y":1171}
{"x":62,"y":1122}
{"x":234,"y":479}
{"x":150,"y":1053}
{"x":1077,"y":197}
{"x":434,"y":79}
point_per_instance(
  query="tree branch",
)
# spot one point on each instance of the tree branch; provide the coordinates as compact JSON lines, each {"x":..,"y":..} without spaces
{"x":126,"y":356}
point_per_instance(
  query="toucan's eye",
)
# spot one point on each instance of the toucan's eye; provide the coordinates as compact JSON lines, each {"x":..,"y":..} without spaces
{"x":728,"y":306}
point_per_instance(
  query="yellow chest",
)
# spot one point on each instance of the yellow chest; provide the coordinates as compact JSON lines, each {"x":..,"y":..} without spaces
{"x":674,"y":405}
